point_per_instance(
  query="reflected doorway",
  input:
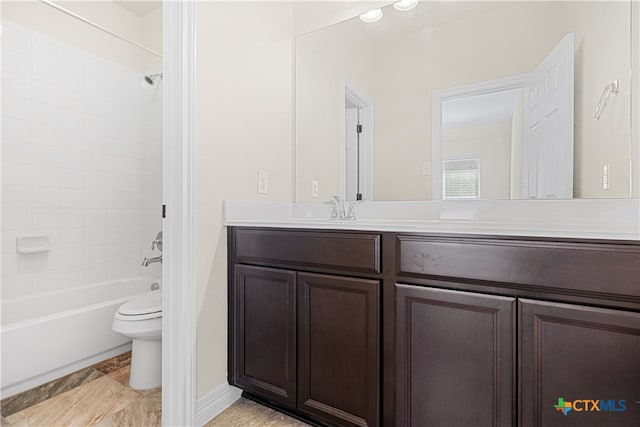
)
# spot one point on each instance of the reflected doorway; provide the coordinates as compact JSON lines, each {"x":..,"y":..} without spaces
{"x":357,"y":144}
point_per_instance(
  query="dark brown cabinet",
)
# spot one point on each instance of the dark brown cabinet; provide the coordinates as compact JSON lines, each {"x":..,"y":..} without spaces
{"x":308,"y":342}
{"x":585,"y":357}
{"x":366,"y":328}
{"x":455,"y":358}
{"x":338,"y":349}
{"x":264,"y":342}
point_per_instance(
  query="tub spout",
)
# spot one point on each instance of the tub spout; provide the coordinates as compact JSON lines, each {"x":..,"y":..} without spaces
{"x":148,"y":261}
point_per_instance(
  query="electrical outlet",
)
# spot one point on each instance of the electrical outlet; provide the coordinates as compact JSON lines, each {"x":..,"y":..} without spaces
{"x":263,"y":182}
{"x":426,"y":168}
{"x":314,"y":189}
{"x":605,"y":176}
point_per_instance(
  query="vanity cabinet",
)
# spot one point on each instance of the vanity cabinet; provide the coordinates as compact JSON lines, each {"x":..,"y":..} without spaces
{"x":456,"y":358}
{"x":338,"y":349}
{"x":578,"y":353}
{"x":307,"y":341}
{"x":264,"y":339}
{"x":458,"y":345}
{"x":359,"y":328}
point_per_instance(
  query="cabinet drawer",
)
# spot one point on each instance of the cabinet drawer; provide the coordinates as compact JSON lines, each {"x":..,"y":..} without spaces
{"x":608,"y":270}
{"x":341,"y":251}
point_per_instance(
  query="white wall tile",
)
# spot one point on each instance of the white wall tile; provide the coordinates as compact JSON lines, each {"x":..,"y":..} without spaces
{"x":16,"y":65}
{"x":95,"y":236}
{"x":16,"y":218}
{"x":17,"y":174}
{"x":8,"y":243}
{"x":71,"y":237}
{"x":14,"y":131}
{"x":45,"y":261}
{"x":46,"y":281}
{"x":15,"y":38}
{"x":16,"y":107}
{"x":46,"y":218}
{"x":47,"y":67}
{"x":72,"y":143}
{"x":72,"y":278}
{"x":73,"y":258}
{"x":17,"y":196}
{"x":95,"y":218}
{"x":95,"y":199}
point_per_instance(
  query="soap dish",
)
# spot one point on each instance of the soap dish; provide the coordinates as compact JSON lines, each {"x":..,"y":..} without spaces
{"x":32,"y":244}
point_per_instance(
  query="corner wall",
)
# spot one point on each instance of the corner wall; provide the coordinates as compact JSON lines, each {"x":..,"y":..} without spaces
{"x":243,"y":124}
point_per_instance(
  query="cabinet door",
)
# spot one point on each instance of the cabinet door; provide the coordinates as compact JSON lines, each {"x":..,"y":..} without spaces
{"x":338,"y":347}
{"x":579,"y":366}
{"x":264,"y":336}
{"x":455,"y":358}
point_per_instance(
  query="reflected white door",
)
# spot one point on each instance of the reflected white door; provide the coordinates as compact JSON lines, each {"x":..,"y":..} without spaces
{"x":351,"y":153}
{"x":548,"y":117}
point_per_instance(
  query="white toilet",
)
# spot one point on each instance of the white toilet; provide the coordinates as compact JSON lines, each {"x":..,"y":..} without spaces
{"x":141,"y":320}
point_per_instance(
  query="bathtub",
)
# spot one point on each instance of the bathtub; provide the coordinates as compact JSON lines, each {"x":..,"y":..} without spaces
{"x":50,"y":335}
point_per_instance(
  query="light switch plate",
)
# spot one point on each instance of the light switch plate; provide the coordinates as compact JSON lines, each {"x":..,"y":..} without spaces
{"x":314,"y":189}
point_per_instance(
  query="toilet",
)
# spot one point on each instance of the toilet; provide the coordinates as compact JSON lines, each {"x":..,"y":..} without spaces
{"x":141,"y":320}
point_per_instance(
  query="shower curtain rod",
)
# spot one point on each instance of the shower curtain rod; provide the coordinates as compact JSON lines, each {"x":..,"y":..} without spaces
{"x":99,"y":27}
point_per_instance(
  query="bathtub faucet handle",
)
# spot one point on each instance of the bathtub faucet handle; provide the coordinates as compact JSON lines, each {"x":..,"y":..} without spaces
{"x":157,"y":243}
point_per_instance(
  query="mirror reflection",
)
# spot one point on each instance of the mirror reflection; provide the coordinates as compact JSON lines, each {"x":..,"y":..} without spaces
{"x":468,"y":100}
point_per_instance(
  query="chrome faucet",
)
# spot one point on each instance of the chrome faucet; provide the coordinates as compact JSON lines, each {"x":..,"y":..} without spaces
{"x":337,"y":207}
{"x":343,"y":210}
{"x":157,"y":243}
{"x":152,"y":260}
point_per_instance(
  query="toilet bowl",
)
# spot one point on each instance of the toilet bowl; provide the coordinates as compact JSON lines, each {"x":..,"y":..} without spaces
{"x":141,"y":320}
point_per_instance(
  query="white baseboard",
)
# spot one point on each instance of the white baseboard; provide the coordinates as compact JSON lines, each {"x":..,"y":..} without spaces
{"x":216,"y":401}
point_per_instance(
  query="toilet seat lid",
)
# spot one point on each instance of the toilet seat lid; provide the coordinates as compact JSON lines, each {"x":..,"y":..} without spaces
{"x":148,"y":303}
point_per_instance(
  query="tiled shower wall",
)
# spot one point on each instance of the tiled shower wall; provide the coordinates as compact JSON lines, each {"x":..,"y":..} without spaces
{"x":73,"y":165}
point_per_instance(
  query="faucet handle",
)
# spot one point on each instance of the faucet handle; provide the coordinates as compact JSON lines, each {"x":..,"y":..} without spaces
{"x":350,"y":211}
{"x":337,"y":207}
{"x":157,"y":243}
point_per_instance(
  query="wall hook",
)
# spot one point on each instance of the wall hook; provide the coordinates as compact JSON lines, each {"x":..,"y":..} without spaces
{"x":611,"y":88}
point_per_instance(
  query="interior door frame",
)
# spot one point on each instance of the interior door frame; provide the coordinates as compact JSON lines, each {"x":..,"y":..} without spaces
{"x":349,"y":90}
{"x":178,"y":145}
{"x":439,"y":96}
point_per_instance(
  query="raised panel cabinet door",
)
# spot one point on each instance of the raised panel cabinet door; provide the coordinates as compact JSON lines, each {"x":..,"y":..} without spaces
{"x":338,"y":348}
{"x":455,"y":359}
{"x":264,"y":337}
{"x":579,"y":365}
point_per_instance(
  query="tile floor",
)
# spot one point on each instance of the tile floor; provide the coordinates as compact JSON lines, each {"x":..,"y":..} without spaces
{"x":247,"y":413}
{"x":100,"y":396}
{"x":95,"y":396}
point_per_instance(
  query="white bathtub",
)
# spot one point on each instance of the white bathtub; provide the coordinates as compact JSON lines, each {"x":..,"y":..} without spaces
{"x":50,"y":335}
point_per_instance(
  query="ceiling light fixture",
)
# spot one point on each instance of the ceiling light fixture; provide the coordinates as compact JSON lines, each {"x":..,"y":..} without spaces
{"x":372,"y":16}
{"x":405,"y":5}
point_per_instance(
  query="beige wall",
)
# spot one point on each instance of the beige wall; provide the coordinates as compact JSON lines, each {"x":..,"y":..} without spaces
{"x":323,"y":61}
{"x":602,"y":55}
{"x":243,"y":123}
{"x":49,"y":21}
{"x":457,"y":53}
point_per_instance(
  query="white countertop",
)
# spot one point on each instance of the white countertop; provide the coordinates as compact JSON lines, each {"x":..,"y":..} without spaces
{"x":581,"y":218}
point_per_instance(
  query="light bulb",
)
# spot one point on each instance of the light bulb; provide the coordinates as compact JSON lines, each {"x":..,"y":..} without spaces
{"x":372,"y":16}
{"x":405,"y":5}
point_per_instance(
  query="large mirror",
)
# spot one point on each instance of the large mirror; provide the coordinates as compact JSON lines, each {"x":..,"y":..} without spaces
{"x":469,"y":100}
